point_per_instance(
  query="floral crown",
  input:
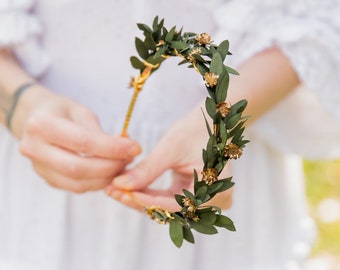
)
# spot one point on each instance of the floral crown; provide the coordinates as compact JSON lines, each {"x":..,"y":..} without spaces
{"x":226,"y":139}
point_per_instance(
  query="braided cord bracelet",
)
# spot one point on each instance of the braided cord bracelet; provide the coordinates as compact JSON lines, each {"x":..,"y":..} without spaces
{"x":15,"y":100}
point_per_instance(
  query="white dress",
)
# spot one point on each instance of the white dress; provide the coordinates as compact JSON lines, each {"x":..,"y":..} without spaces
{"x":84,"y":52}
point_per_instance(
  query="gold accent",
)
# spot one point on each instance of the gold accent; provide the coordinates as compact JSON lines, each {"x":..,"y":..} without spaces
{"x":232,"y":151}
{"x":137,"y":83}
{"x":203,"y":39}
{"x":223,"y":108}
{"x":210,"y":79}
{"x":210,"y":175}
{"x":166,"y":215}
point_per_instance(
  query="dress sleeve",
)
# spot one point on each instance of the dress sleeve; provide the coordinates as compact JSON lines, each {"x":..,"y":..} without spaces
{"x":20,"y":31}
{"x":307,"y":32}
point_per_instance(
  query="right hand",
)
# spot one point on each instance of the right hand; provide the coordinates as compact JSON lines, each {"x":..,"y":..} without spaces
{"x":65,"y":143}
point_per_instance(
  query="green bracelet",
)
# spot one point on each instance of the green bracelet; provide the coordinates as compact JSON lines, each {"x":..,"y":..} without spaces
{"x":15,"y":99}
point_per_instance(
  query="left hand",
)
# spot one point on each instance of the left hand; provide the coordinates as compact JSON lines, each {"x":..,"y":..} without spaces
{"x":180,"y":150}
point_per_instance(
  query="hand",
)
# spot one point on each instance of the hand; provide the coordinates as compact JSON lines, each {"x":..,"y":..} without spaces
{"x":65,"y":143}
{"x":180,"y":150}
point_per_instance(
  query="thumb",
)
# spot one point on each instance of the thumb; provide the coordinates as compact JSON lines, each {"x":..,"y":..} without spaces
{"x":144,"y":173}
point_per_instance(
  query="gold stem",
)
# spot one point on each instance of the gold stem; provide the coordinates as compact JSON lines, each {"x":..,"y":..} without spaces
{"x":129,"y":113}
{"x":138,"y":84}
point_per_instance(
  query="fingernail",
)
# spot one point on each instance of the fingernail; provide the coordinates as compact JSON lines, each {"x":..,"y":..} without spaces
{"x":109,"y":189}
{"x":123,"y":181}
{"x":135,"y":150}
{"x":116,"y":194}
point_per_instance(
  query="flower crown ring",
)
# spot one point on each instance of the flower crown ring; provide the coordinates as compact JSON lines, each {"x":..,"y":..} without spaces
{"x":226,"y":139}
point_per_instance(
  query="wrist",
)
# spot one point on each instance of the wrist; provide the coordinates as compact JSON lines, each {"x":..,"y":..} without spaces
{"x":30,"y":99}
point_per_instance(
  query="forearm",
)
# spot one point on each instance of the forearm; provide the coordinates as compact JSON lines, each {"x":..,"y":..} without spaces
{"x":13,"y":76}
{"x":265,"y":80}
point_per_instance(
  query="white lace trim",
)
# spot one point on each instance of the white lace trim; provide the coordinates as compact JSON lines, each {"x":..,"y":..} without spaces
{"x":19,"y":31}
{"x":308,"y":32}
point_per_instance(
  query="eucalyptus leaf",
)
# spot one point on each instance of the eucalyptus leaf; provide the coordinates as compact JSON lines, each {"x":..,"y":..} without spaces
{"x":222,"y":87}
{"x":141,"y":48}
{"x":239,"y":106}
{"x":207,"y":218}
{"x":223,"y":49}
{"x":155,"y":24}
{"x":203,"y":228}
{"x":233,"y":121}
{"x":176,"y":233}
{"x":201,"y":68}
{"x":207,"y":124}
{"x":201,"y":192}
{"x":179,"y":45}
{"x":210,"y":106}
{"x":216,"y":65}
{"x":136,"y":63}
{"x":188,"y":194}
{"x":231,"y":70}
{"x":188,"y":235}
{"x":149,"y":42}
{"x":215,"y":187}
{"x":179,"y":199}
{"x":225,"y":222}
{"x":226,"y":186}
{"x":144,"y":28}
{"x":169,"y":37}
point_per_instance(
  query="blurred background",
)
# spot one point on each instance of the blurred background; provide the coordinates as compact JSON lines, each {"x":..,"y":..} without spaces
{"x":323,"y":191}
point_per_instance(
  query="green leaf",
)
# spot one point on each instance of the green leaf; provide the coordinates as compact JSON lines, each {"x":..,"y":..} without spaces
{"x":233,"y":121}
{"x":141,"y":48}
{"x":210,"y":106}
{"x":223,"y":49}
{"x":222,"y":87}
{"x":170,"y":35}
{"x":201,"y":192}
{"x":155,"y":24}
{"x":136,"y":63}
{"x":199,"y":58}
{"x":238,"y":135}
{"x":235,"y":129}
{"x":179,"y":45}
{"x":203,"y":228}
{"x":215,"y":187}
{"x":195,"y":177}
{"x":207,"y":124}
{"x":144,"y":28}
{"x":179,"y":199}
{"x":202,"y":68}
{"x":207,"y":218}
{"x":239,"y":106}
{"x":223,"y":133}
{"x":188,"y":194}
{"x":187,"y":234}
{"x":176,"y":233}
{"x":226,"y":186}
{"x":242,"y":143}
{"x":183,"y":62}
{"x":231,"y":70}
{"x":149,"y":42}
{"x":225,"y":222}
{"x":216,"y":65}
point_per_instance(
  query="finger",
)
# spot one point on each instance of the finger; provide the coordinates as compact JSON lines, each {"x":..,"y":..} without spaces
{"x":144,"y":200}
{"x":80,"y":139}
{"x":144,"y":173}
{"x":59,"y":181}
{"x":72,"y":165}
